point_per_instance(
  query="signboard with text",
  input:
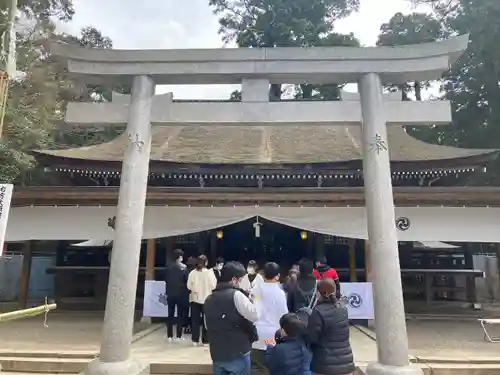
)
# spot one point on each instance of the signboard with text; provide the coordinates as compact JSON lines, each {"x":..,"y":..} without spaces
{"x":5,"y":199}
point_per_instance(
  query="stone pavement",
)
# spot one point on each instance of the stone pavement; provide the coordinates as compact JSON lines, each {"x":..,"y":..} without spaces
{"x":154,"y":348}
{"x":65,"y":332}
{"x":451,"y":339}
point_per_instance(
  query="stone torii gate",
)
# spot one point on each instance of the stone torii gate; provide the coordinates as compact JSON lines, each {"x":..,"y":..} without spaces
{"x":256,"y":69}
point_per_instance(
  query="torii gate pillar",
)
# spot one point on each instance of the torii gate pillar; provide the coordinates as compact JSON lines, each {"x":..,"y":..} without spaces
{"x":117,"y":331}
{"x":390,"y":323}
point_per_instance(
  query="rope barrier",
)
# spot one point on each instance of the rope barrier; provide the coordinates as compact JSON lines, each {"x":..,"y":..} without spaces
{"x":27,"y":313}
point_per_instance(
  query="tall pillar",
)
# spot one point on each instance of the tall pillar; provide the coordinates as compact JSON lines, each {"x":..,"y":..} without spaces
{"x":25,"y":275}
{"x":353,"y":269}
{"x":390,"y":324}
{"x":150,"y":259}
{"x":368,"y":262}
{"x":117,"y":333}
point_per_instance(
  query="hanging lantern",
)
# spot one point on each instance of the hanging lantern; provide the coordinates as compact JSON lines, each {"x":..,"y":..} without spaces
{"x":220,"y":234}
{"x":257,"y":226}
{"x":303,"y":235}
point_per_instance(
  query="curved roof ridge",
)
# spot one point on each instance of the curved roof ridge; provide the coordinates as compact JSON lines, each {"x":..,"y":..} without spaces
{"x":275,"y":145}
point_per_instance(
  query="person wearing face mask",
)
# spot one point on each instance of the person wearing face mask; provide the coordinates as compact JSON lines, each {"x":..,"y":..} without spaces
{"x":230,"y":318}
{"x":219,"y":263}
{"x":252,"y":278}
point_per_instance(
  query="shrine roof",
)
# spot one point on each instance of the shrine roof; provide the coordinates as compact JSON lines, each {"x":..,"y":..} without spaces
{"x":271,"y":145}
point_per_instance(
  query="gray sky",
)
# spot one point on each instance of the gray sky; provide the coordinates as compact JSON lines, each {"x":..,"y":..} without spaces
{"x":161,"y":24}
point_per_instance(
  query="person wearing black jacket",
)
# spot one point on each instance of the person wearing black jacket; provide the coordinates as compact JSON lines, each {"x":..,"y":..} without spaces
{"x":230,"y":318}
{"x":219,"y":263}
{"x":177,"y":294}
{"x":328,"y":334}
{"x":304,"y":289}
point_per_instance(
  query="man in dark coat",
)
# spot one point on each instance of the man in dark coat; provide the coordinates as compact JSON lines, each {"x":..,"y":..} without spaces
{"x":229,"y":318}
{"x":177,"y":294}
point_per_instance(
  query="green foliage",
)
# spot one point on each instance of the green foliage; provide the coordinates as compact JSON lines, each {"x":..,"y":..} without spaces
{"x":43,"y":10}
{"x":472,"y":84}
{"x":286,"y":23}
{"x":408,"y":29}
{"x":37,"y":102}
{"x":32,"y":106}
{"x":273,"y":23}
{"x":331,"y":91}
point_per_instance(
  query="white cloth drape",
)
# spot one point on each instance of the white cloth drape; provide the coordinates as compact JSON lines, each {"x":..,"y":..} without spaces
{"x":452,"y":224}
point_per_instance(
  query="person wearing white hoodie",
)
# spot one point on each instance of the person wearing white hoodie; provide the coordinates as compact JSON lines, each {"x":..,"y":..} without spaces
{"x":270,"y":300}
{"x":201,"y":281}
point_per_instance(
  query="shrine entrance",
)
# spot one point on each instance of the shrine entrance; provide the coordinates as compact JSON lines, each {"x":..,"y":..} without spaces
{"x":272,"y":242}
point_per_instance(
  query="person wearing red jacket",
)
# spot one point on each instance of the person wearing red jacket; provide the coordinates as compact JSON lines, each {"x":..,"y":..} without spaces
{"x":324,"y":271}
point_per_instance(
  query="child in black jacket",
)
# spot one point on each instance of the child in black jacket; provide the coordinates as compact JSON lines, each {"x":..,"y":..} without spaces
{"x":289,"y":356}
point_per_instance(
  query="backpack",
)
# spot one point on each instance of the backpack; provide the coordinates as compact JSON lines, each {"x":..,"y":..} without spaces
{"x":304,"y":312}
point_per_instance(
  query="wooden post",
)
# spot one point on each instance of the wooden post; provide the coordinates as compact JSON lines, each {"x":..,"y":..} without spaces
{"x":25,"y":275}
{"x":470,"y":286}
{"x":150,"y":259}
{"x":169,"y":248}
{"x":150,"y":268}
{"x":353,"y":271}
{"x":213,"y":243}
{"x":498,"y":260}
{"x":319,"y":251}
{"x":368,"y":263}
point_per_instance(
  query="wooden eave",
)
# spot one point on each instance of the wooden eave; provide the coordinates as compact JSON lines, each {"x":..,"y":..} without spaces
{"x":352,"y":196}
{"x":349,"y":167}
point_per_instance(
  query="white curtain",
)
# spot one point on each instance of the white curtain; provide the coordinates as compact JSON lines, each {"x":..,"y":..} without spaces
{"x":452,"y":224}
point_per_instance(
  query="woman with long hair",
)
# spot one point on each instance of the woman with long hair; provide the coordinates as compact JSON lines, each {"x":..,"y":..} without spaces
{"x":290,"y":282}
{"x":328,"y":333}
{"x":201,"y":281}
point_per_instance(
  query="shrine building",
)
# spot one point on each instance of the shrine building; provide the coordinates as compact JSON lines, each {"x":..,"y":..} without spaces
{"x":209,"y":187}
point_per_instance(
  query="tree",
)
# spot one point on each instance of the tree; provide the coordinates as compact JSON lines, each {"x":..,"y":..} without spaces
{"x":472,"y":84}
{"x":37,"y":101}
{"x":37,"y":11}
{"x":279,"y":23}
{"x":71,"y":91}
{"x":408,"y":29}
{"x":330,"y":91}
{"x":43,"y":10}
{"x":284,"y":23}
{"x":32,"y":107}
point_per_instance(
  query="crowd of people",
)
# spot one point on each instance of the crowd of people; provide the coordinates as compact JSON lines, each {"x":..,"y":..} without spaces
{"x":255,"y":324}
